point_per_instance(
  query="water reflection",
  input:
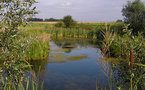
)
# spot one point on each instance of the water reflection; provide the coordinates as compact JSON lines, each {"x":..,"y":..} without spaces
{"x":38,"y":65}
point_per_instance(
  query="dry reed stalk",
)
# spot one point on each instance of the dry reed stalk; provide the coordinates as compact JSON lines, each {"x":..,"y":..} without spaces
{"x":108,"y":39}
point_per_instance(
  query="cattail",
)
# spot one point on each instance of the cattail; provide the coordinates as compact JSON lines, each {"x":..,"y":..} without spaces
{"x":21,"y":73}
{"x":7,"y":62}
{"x":131,"y":59}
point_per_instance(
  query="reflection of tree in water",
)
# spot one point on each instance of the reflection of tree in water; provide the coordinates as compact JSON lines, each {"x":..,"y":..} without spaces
{"x":68,"y":46}
{"x":81,"y":42}
{"x":38,"y":65}
{"x":122,"y":76}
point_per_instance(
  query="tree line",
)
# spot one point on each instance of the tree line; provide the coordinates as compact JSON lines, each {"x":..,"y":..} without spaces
{"x":43,"y":20}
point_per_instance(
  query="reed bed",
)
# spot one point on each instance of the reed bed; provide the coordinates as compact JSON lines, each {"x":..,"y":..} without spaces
{"x":80,"y":31}
{"x":39,"y":45}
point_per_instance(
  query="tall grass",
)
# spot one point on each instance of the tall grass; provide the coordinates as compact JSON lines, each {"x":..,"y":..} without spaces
{"x":28,"y":84}
{"x":39,"y":45}
{"x":82,"y":30}
{"x":108,"y":40}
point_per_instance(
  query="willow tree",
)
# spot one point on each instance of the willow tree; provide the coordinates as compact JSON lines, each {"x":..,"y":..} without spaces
{"x":134,"y":14}
{"x":13,"y":13}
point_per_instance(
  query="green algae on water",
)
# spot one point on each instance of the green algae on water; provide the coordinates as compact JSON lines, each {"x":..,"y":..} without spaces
{"x":59,"y":56}
{"x":76,"y":58}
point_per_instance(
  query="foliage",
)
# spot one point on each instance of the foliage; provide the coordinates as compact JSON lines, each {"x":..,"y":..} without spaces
{"x":39,"y":47}
{"x":134,"y":14}
{"x":119,"y":20}
{"x":124,"y":43}
{"x":14,"y":13}
{"x":68,"y":21}
{"x":121,"y":47}
{"x":108,"y":40}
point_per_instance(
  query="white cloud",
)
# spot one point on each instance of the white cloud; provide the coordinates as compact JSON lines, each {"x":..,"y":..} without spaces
{"x":66,"y":4}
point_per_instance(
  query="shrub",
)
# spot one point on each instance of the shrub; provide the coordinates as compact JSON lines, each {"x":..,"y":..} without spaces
{"x":14,"y":14}
{"x":68,"y":21}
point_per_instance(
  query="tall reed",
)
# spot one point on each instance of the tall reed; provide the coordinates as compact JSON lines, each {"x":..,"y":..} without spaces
{"x":108,"y":39}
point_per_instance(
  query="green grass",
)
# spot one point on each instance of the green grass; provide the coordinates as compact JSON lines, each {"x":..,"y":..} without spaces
{"x":81,"y":31}
{"x":37,"y":50}
{"x":27,"y":84}
{"x":38,"y":44}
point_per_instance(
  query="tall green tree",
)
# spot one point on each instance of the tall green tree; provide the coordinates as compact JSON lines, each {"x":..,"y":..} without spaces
{"x":134,"y":14}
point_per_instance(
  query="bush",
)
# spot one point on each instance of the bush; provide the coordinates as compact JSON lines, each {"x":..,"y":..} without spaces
{"x":68,"y":21}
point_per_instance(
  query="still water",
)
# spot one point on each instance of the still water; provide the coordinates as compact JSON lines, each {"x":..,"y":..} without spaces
{"x":72,"y":65}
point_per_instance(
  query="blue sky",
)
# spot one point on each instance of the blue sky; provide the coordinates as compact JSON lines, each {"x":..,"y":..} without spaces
{"x":82,"y":10}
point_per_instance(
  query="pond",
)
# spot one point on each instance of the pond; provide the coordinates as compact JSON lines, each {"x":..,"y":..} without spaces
{"x":72,"y":65}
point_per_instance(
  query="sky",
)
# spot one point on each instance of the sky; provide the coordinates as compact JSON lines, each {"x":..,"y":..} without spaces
{"x":82,"y":10}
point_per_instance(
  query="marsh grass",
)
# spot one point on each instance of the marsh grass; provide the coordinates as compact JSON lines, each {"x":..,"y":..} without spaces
{"x":29,"y":83}
{"x":120,"y":46}
{"x":38,"y":50}
{"x":108,"y":36}
{"x":39,"y":44}
{"x":81,"y":31}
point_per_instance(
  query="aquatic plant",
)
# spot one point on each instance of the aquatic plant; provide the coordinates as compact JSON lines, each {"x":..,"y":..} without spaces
{"x":38,"y":50}
{"x":39,"y":45}
{"x":30,"y":84}
{"x":81,"y":31}
{"x":108,"y":40}
{"x":130,"y":47}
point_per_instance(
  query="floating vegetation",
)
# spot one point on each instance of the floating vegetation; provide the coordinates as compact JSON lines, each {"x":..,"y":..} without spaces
{"x":61,"y":50}
{"x":59,"y":56}
{"x":57,"y":61}
{"x":76,"y":58}
{"x":62,"y":58}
